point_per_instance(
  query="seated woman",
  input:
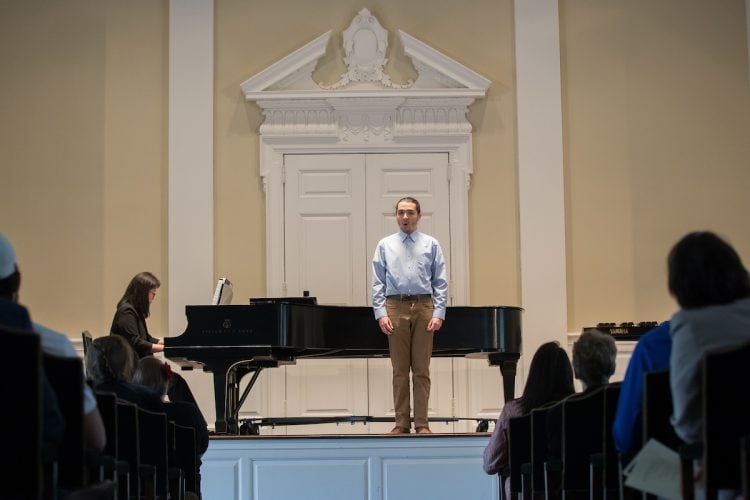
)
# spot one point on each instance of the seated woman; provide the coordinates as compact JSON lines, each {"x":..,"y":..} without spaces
{"x":110,"y":363}
{"x":155,"y":375}
{"x":550,"y":379}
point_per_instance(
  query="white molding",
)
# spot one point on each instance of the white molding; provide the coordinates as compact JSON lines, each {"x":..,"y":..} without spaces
{"x":296,"y":67}
{"x":540,"y":174}
{"x":364,"y":112}
{"x":424,"y":56}
{"x":190,"y":190}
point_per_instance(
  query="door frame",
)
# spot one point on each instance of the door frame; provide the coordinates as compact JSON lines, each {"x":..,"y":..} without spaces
{"x":460,"y":168}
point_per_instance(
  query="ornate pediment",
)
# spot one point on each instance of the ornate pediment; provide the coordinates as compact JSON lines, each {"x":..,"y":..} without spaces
{"x":364,"y":105}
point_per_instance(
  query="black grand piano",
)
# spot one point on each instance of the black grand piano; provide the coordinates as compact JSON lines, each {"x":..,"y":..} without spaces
{"x":232,"y":341}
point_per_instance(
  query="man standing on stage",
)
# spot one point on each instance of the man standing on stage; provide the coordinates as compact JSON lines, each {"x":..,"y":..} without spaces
{"x":409,"y":296}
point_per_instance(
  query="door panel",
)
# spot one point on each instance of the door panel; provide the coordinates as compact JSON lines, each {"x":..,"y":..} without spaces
{"x":325,"y":227}
{"x":325,"y":255}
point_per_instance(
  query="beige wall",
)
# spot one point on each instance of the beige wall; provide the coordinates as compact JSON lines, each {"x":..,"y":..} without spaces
{"x":83,"y":153}
{"x":656,"y":116}
{"x":655,"y":102}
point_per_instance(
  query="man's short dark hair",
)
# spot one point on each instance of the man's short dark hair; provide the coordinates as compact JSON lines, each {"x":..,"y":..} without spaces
{"x":409,"y":199}
{"x":705,"y":270}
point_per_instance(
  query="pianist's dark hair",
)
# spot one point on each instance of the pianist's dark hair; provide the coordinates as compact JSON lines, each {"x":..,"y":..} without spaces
{"x":705,"y":270}
{"x":110,"y":359}
{"x":550,"y":377}
{"x":137,"y":292}
{"x":408,"y":199}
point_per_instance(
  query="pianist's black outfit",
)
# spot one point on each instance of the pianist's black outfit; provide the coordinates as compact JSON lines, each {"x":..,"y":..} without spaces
{"x":131,"y":325}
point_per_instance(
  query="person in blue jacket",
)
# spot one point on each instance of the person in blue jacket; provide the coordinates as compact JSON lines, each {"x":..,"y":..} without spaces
{"x":651,"y":354}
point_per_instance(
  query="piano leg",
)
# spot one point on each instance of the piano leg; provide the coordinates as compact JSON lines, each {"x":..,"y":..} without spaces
{"x":507,"y":363}
{"x":508,"y":370}
{"x":227,"y":395}
{"x":221,"y":395}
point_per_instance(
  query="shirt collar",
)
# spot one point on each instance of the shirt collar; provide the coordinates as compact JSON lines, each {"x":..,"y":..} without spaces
{"x":408,"y":236}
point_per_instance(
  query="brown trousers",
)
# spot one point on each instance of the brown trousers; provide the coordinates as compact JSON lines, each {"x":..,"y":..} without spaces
{"x":410,"y":347}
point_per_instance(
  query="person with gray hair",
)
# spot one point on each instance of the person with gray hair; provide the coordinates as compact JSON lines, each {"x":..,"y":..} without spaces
{"x":594,"y":358}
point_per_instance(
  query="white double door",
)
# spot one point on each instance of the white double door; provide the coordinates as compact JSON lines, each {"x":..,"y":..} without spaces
{"x":337,"y":207}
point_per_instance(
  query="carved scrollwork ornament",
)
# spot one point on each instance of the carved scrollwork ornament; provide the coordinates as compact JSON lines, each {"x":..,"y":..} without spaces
{"x":365,"y":45}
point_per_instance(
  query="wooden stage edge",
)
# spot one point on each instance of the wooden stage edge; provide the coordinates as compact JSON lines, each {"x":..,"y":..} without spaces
{"x":348,"y":467}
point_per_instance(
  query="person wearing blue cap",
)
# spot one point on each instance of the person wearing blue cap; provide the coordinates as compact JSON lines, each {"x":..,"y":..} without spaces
{"x":52,"y":343}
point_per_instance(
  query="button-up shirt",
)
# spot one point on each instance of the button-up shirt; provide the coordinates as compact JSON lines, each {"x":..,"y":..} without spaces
{"x":409,"y":264}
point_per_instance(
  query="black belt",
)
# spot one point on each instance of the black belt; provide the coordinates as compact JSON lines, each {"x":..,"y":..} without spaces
{"x":409,"y":298}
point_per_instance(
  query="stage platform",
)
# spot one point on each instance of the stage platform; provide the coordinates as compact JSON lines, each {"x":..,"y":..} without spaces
{"x":348,"y":467}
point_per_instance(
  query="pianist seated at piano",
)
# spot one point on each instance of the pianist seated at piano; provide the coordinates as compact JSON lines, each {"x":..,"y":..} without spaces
{"x":110,"y":363}
{"x":129,"y":323}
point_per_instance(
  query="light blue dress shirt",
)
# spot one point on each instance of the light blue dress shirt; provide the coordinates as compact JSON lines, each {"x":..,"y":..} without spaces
{"x":409,"y":264}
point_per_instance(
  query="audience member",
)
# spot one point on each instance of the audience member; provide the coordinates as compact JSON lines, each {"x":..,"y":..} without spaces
{"x":129,"y":323}
{"x":155,"y":375}
{"x":52,"y":343}
{"x":594,"y":359}
{"x":550,"y":379}
{"x":712,"y":287}
{"x":110,"y":363}
{"x":651,"y":354}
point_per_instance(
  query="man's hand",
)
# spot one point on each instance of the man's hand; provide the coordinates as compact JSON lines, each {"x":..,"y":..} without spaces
{"x":385,"y":325}
{"x":434,"y":324}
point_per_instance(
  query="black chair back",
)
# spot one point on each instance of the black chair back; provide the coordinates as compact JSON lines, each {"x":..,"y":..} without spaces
{"x":519,"y":450}
{"x":65,"y":375}
{"x":657,"y":410}
{"x":128,"y":443}
{"x":22,"y":417}
{"x":154,"y":446}
{"x":87,"y":340}
{"x":186,"y":456}
{"x":745,"y":461}
{"x":726,"y":416}
{"x":582,"y":436}
{"x":611,"y":472}
{"x":539,"y":442}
